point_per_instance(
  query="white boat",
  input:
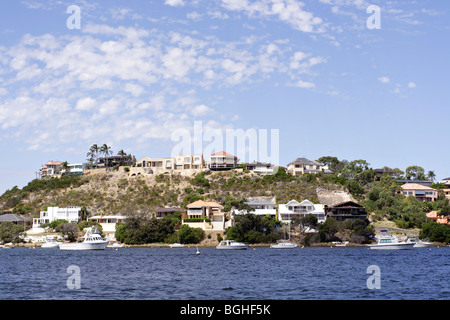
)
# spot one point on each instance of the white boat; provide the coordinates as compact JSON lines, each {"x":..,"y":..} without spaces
{"x":340,"y":243}
{"x":385,"y":241}
{"x":50,"y":243}
{"x":283,"y":245}
{"x":92,"y":241}
{"x":115,"y":245}
{"x":231,"y":245}
{"x":419,"y":243}
{"x":177,"y":245}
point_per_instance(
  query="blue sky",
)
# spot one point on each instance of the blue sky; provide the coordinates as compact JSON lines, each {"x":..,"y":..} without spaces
{"x":138,"y":70}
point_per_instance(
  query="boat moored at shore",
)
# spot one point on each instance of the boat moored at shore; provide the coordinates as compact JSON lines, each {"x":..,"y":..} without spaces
{"x":92,"y":241}
{"x":231,"y":245}
{"x":385,"y":241}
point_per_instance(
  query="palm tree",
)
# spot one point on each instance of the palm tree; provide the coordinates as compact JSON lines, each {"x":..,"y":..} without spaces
{"x":93,"y":154}
{"x":121,"y":153}
{"x":431,"y":175}
{"x":106,"y":150}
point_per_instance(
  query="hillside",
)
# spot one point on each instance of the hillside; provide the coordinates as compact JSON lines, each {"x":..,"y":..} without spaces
{"x":121,"y":193}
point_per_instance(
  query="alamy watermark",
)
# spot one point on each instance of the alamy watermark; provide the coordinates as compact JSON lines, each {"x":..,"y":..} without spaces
{"x":374,"y":281}
{"x":374,"y":21}
{"x":74,"y":21}
{"x":74,"y":280}
{"x":249,"y":145}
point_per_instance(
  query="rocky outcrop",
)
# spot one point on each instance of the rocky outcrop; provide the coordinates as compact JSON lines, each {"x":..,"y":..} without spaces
{"x":332,"y":197}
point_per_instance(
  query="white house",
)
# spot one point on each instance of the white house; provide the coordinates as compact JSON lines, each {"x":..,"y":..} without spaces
{"x":263,"y":206}
{"x":300,"y":209}
{"x":108,"y":223}
{"x":71,"y":214}
{"x":260,"y":168}
{"x":304,"y":166}
{"x":209,"y":216}
{"x":177,"y":164}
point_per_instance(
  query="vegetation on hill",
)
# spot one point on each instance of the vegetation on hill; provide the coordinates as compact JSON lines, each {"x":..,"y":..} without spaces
{"x":117,"y":192}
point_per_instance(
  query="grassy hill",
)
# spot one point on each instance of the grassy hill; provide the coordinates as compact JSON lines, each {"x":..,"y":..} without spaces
{"x":120,"y":193}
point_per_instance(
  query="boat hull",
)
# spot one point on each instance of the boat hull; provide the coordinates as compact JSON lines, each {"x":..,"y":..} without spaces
{"x":50,"y":245}
{"x":392,"y":246}
{"x":231,"y":247}
{"x":84,"y":246}
{"x":283,"y":246}
{"x":422,"y":245}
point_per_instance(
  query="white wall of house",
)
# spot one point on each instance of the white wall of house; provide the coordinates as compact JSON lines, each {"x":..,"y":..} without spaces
{"x":71,"y":214}
{"x":300,"y":209}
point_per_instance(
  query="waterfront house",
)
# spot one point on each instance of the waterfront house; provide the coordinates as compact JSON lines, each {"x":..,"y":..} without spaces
{"x":163,"y":212}
{"x":206,"y":215}
{"x":347,"y":210}
{"x":262,"y":206}
{"x":13,"y":218}
{"x":388,"y":172}
{"x":305,"y":166}
{"x":300,"y":209}
{"x":436,"y":217}
{"x":71,"y":214}
{"x":421,"y":192}
{"x":109,"y":222}
{"x":223,"y":161}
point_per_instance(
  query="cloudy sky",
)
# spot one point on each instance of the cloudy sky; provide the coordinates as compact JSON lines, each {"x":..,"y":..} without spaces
{"x":136,"y":71}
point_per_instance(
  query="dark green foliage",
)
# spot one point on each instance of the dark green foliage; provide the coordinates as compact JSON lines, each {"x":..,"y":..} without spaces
{"x":140,"y":231}
{"x":252,"y":228}
{"x":435,"y":232}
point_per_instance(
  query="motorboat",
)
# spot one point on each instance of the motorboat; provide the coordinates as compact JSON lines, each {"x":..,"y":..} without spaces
{"x":92,"y":241}
{"x":419,"y":243}
{"x":231,"y":245}
{"x":177,"y":245}
{"x":340,"y":243}
{"x":283,"y":245}
{"x":115,"y":245}
{"x":386,"y":241}
{"x":50,"y":242}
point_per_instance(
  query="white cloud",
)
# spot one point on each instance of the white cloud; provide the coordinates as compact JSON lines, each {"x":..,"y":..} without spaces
{"x":201,"y":110}
{"x":383,"y":79}
{"x":85,"y":104}
{"x":175,"y":3}
{"x":411,"y":85}
{"x":304,"y":84}
{"x":288,"y":11}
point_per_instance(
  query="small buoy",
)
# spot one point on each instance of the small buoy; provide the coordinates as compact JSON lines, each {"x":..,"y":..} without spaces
{"x":198,"y":252}
{"x":254,"y":249}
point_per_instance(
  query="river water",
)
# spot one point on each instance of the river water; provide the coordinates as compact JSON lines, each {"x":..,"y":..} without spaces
{"x":318,"y":273}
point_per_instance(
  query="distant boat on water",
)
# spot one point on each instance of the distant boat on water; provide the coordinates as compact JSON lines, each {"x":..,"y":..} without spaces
{"x":385,"y":241}
{"x":231,"y":245}
{"x":92,"y":241}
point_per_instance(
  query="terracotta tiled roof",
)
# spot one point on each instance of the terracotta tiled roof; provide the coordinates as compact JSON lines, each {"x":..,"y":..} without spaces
{"x":201,"y":203}
{"x":415,"y":186}
{"x":54,"y":163}
{"x":222,"y":153}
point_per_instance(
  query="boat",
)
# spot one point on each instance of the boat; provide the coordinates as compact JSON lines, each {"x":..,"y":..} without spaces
{"x":283,"y":245}
{"x":340,"y":243}
{"x":231,"y":245}
{"x":385,"y":241}
{"x":177,"y":245}
{"x":92,"y":241}
{"x":419,"y":243}
{"x":115,"y":245}
{"x":50,"y":242}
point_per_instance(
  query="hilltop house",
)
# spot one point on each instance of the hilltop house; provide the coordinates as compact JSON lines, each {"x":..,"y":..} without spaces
{"x":304,"y":166}
{"x":446,"y":182}
{"x":262,"y":206}
{"x":300,"y":209}
{"x":111,"y":161}
{"x":170,"y":165}
{"x":347,"y":210}
{"x":51,"y":169}
{"x":206,"y":215}
{"x":260,"y":168}
{"x":108,"y":223}
{"x":421,"y":192}
{"x":222,"y":161}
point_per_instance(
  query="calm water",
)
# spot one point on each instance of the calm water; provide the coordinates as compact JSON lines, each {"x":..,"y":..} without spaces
{"x":263,"y":273}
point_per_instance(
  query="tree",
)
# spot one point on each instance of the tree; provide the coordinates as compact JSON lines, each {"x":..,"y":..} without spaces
{"x":121,"y":153}
{"x":431,"y":175}
{"x":92,"y":155}
{"x":328,"y":229}
{"x":308,"y":222}
{"x":358,"y":170}
{"x":415,"y":173}
{"x":333,"y":163}
{"x":65,"y":167}
{"x":190,"y":235}
{"x":106,"y":151}
{"x":70,"y":230}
